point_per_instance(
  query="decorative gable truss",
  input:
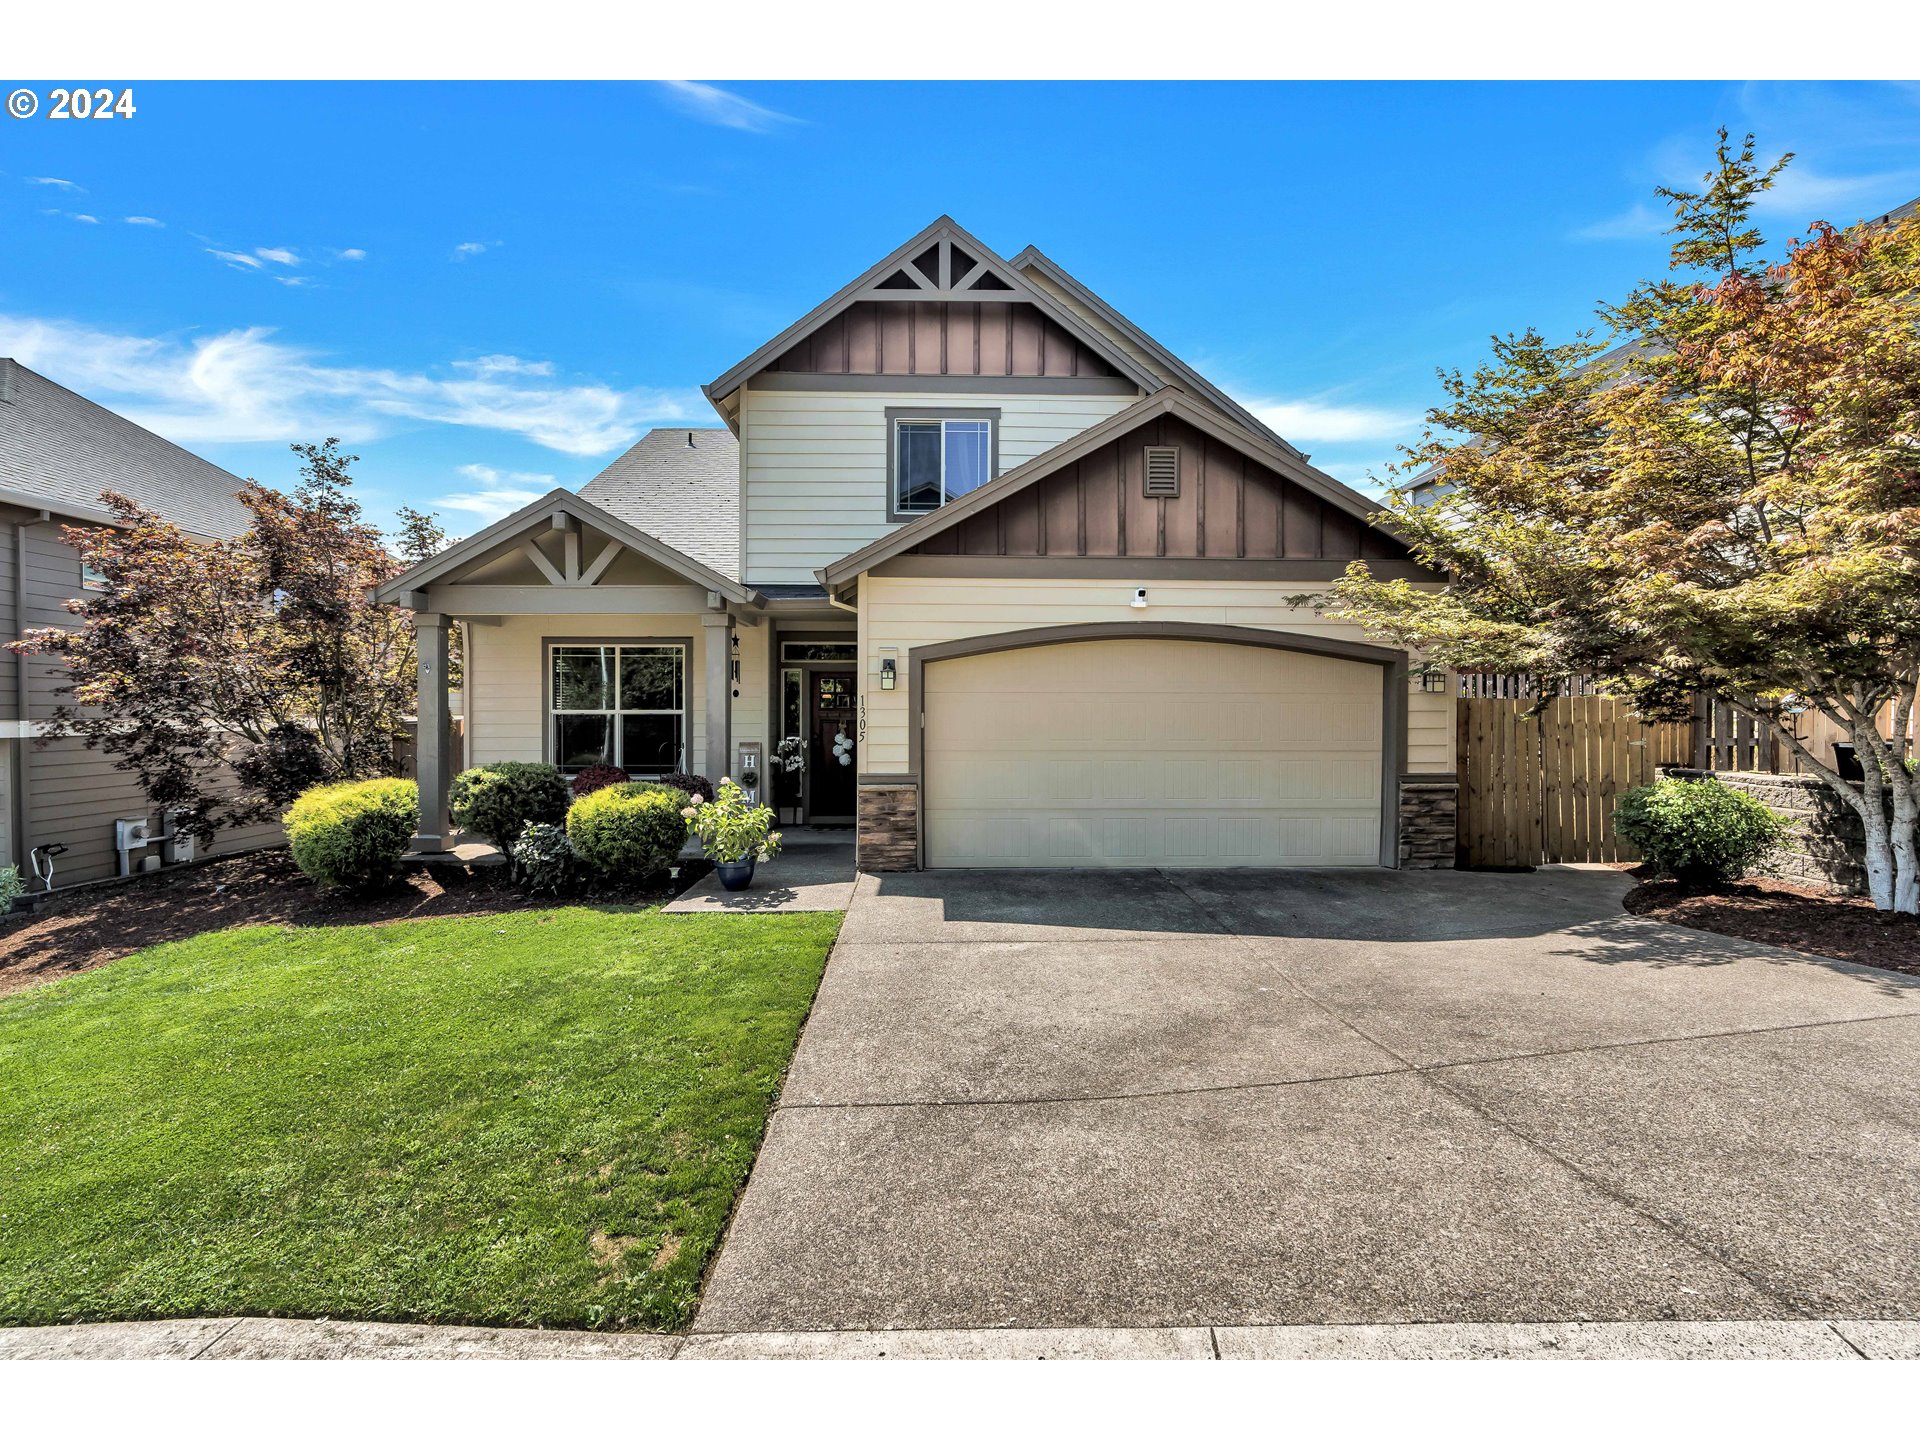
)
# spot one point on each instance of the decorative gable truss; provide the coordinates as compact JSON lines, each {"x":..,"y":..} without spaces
{"x":946,"y":270}
{"x":565,"y":555}
{"x":570,"y":570}
{"x":941,"y":269}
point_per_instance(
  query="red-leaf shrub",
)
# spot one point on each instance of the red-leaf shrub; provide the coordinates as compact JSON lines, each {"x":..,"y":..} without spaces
{"x":598,"y":777}
{"x":692,"y":784}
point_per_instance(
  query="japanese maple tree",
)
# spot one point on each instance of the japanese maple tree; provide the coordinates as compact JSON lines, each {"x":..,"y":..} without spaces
{"x":1727,"y":497}
{"x":228,"y":675}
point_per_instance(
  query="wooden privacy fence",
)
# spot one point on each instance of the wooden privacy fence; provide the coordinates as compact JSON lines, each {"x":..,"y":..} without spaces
{"x":1539,"y":789}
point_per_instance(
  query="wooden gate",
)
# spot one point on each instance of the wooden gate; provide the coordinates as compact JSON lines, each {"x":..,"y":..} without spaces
{"x":1539,"y":790}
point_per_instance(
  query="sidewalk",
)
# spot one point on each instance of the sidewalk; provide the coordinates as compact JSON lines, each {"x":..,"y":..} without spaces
{"x":267,"y":1339}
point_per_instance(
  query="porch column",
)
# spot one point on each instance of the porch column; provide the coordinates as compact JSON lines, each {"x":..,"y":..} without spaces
{"x":719,"y":697}
{"x":431,"y":759}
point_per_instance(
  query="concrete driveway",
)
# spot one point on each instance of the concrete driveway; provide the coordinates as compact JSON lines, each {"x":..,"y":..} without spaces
{"x":1156,"y":1098}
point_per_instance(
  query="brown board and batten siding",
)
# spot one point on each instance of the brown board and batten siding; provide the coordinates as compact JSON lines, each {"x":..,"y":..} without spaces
{"x":1229,"y":507}
{"x":993,"y":338}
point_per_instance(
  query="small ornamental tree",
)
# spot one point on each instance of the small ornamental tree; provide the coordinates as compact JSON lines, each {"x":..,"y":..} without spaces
{"x":228,"y":676}
{"x":1731,"y":501}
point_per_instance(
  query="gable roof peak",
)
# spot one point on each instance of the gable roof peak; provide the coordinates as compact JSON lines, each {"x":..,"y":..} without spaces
{"x":1170,"y":366}
{"x":941,"y":262}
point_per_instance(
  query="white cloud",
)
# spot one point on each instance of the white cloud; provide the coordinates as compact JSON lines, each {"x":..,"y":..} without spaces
{"x":714,"y":106}
{"x":1326,"y":422}
{"x":146,"y":220}
{"x":505,"y":365}
{"x":467,"y":249}
{"x":245,"y":385}
{"x":294,"y":279}
{"x":56,"y":182}
{"x":278,"y":254}
{"x":238,"y":260}
{"x":1802,"y":193}
{"x":352,"y":254}
{"x":84,"y":219}
{"x":498,"y":492}
{"x":1637,"y":222}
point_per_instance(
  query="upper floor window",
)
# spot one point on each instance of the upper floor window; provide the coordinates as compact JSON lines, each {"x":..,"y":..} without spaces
{"x":937,"y":456}
{"x":92,"y":578}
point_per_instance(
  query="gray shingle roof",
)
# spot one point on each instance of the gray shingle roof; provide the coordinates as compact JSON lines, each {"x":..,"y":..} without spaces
{"x":681,"y":486}
{"x":60,"y":450}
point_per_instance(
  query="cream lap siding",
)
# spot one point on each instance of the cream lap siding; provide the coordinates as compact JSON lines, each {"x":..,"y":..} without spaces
{"x":816,"y":465}
{"x":751,"y":706}
{"x":905,"y":613}
{"x":507,"y":679}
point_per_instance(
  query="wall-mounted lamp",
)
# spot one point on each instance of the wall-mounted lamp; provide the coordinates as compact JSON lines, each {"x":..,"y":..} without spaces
{"x":1433,"y":679}
{"x":888,"y":673}
{"x":1139,"y":598}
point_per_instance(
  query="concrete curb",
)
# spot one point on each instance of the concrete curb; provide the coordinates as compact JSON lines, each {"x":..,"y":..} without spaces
{"x":273,"y":1339}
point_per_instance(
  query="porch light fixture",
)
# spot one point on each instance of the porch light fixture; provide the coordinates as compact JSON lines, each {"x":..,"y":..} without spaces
{"x":1433,"y":679}
{"x":1139,"y":598}
{"x":888,"y":671}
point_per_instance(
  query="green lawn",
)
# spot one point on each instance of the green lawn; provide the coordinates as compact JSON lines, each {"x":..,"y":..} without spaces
{"x":532,"y":1118}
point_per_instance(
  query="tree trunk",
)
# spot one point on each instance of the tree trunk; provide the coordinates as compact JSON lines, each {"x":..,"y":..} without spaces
{"x":1892,"y":879}
{"x":1906,"y":852}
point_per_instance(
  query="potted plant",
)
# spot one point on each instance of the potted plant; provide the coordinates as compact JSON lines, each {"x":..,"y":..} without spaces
{"x":733,"y":833}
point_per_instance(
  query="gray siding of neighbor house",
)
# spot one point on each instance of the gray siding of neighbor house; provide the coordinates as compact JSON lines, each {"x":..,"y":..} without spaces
{"x":73,"y":794}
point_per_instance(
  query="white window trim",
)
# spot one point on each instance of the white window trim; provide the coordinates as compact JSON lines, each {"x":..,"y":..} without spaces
{"x":685,"y":710}
{"x":930,"y":415}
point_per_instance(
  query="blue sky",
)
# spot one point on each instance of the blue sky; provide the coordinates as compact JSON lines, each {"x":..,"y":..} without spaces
{"x":492,"y":289}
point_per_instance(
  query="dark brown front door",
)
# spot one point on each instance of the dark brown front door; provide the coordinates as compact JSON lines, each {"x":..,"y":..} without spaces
{"x":830,"y":767}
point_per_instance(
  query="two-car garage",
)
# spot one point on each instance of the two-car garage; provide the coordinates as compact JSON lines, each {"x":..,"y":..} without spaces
{"x":1153,"y":749}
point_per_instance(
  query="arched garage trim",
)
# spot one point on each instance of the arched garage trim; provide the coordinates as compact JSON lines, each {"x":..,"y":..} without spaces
{"x":1393,"y":686}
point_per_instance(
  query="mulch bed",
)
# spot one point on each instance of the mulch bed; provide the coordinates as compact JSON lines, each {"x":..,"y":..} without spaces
{"x":91,"y":926}
{"x":1776,"y":913}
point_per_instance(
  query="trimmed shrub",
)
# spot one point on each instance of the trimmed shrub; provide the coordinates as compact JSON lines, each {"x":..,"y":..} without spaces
{"x":629,"y":831}
{"x":1699,"y":832}
{"x":690,"y":784}
{"x":545,"y":860}
{"x":12,"y":887}
{"x":598,"y":777}
{"x":352,"y":834}
{"x":500,"y":800}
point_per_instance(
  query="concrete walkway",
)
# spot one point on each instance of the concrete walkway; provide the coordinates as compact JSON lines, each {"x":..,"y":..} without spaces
{"x":813,"y":871}
{"x":1165,"y":1100}
{"x":262,"y":1339}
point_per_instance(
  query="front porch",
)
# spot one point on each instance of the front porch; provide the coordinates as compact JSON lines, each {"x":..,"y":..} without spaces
{"x":583,"y":641}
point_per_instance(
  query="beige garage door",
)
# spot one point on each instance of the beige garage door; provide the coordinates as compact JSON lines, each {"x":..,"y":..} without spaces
{"x":1150,"y":753}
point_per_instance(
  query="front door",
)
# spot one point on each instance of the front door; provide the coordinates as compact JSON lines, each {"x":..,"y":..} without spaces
{"x":831,"y":762}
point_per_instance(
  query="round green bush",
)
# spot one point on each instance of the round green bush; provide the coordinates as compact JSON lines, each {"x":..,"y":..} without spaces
{"x":628,"y":831}
{"x":501,"y":800}
{"x":353,"y":833}
{"x":1698,"y":832}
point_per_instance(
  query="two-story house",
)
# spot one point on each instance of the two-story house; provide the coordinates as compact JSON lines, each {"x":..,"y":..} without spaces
{"x":1028,"y":589}
{"x":58,"y":452}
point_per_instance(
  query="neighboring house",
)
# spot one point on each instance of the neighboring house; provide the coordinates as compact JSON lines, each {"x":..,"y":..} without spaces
{"x":58,"y":452}
{"x":1051,"y":591}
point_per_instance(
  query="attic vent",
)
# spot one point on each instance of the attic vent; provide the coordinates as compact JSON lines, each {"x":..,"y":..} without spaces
{"x":1163,"y":472}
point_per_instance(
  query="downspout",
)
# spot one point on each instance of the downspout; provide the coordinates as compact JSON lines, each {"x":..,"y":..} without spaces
{"x":22,"y":776}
